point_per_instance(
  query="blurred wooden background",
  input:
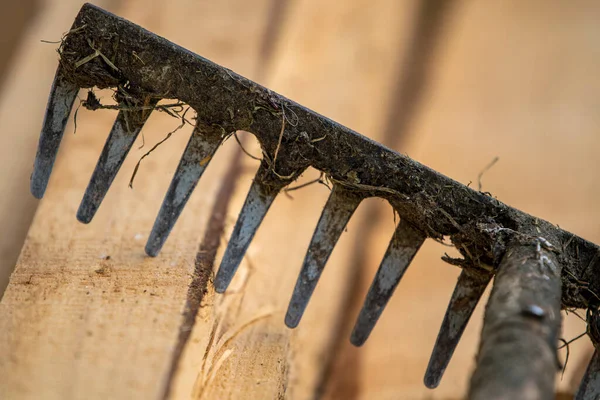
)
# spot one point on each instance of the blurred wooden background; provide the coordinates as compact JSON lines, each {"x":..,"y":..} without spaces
{"x":453,"y":84}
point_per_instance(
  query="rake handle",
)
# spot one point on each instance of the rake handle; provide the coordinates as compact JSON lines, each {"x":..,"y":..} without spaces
{"x":517,"y":356}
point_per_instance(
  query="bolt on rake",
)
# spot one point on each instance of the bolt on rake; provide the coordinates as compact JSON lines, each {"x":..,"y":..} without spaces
{"x":539,"y":267}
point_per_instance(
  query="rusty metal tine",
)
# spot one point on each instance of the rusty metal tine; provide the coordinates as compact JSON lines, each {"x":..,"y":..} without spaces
{"x":337,"y":212}
{"x":589,"y":389}
{"x":259,"y":200}
{"x":517,"y":355}
{"x":404,"y":245}
{"x":60,"y":102}
{"x":198,"y":153}
{"x":467,"y":293}
{"x":125,"y":130}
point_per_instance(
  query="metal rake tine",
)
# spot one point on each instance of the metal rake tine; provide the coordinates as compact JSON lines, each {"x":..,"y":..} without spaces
{"x":337,"y":212}
{"x":123,"y":134}
{"x":404,"y":245}
{"x":60,"y":102}
{"x":467,"y":293}
{"x":199,"y":151}
{"x":589,"y":389}
{"x":259,"y":200}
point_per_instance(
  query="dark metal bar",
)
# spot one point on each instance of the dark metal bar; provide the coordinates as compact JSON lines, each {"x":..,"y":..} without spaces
{"x":589,"y":389}
{"x":62,"y":96}
{"x":404,"y":245}
{"x":125,"y":130}
{"x":518,"y":351}
{"x":260,"y":197}
{"x":199,"y":151}
{"x":469,"y":289}
{"x":337,"y":212}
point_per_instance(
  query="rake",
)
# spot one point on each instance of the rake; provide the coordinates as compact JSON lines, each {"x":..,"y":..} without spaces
{"x":539,"y":268}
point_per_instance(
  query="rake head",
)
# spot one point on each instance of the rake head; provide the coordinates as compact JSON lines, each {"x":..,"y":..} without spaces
{"x":104,"y":51}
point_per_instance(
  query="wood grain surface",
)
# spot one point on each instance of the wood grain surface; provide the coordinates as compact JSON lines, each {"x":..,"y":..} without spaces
{"x":87,"y":315}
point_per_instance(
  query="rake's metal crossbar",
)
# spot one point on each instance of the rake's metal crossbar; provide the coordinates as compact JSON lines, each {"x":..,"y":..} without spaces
{"x":529,"y":254}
